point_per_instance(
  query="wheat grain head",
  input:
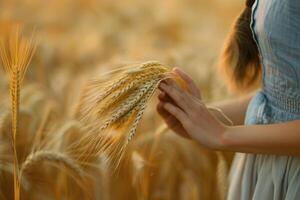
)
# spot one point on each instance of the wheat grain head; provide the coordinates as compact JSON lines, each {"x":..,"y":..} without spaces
{"x":113,"y":108}
{"x":16,"y":52}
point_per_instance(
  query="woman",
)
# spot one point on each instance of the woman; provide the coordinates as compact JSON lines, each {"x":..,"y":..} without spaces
{"x":266,"y":126}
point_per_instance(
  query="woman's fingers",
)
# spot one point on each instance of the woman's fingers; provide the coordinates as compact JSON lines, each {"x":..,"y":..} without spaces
{"x":173,"y":123}
{"x":183,"y":75}
{"x":169,"y":118}
{"x":193,"y":87}
{"x":180,"y":115}
{"x":165,"y":98}
{"x":179,"y":96}
{"x":194,"y":106}
{"x":162,"y":111}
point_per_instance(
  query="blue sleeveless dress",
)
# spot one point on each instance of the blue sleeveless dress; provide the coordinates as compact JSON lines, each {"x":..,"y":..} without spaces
{"x":275,"y":25}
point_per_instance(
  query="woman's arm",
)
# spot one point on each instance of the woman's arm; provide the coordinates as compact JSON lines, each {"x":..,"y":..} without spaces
{"x":283,"y":138}
{"x":201,"y":125}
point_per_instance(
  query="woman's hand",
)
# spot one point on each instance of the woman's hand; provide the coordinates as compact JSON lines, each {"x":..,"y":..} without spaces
{"x":170,"y":120}
{"x":185,"y":114}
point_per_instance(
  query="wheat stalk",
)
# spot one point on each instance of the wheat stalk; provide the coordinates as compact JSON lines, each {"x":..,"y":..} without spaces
{"x":16,"y":52}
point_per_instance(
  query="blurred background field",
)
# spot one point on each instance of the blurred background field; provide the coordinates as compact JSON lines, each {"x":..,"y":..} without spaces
{"x":79,"y":39}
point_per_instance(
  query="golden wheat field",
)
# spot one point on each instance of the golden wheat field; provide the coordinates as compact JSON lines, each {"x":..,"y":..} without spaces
{"x":67,"y":131}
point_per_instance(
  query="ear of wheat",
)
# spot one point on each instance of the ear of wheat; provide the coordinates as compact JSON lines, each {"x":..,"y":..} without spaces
{"x":114,"y":108}
{"x":16,"y":52}
{"x":54,"y":157}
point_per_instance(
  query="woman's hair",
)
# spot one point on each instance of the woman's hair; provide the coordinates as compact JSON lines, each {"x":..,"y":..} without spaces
{"x":240,"y":57}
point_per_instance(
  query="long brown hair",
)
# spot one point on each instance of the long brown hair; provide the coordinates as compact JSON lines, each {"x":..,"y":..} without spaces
{"x":240,"y":57}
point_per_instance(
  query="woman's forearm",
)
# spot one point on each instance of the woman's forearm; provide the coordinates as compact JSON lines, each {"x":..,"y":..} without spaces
{"x":281,"y":139}
{"x":234,"y":109}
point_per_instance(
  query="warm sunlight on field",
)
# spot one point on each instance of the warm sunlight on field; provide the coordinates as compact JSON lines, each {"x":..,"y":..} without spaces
{"x":80,"y":39}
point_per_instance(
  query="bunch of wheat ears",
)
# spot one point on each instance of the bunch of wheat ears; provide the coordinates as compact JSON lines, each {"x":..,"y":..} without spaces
{"x":114,"y":107}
